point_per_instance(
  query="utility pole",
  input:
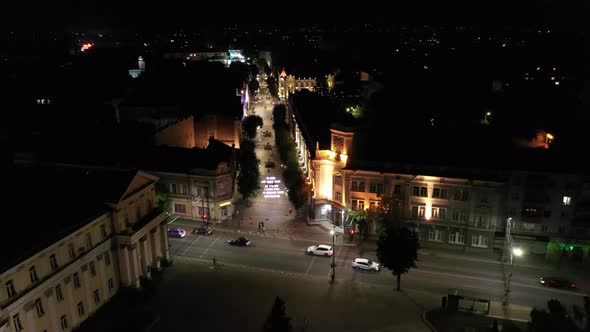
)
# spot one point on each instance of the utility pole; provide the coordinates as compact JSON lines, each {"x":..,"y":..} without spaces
{"x":333,"y":265}
{"x":508,"y":253}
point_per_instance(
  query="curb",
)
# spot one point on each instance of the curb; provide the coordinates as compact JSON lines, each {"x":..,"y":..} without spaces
{"x":430,"y":326}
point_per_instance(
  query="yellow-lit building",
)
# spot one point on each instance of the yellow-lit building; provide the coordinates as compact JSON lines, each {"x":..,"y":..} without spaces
{"x":79,"y":234}
{"x":289,"y":84}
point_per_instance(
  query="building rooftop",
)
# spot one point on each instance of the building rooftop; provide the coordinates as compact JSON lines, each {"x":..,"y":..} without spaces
{"x":47,"y":203}
{"x":315,"y":115}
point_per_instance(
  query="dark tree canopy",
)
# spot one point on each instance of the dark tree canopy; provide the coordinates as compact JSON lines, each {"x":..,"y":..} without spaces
{"x":278,"y":321}
{"x":249,"y":177}
{"x":397,"y":250}
{"x":250,"y":124}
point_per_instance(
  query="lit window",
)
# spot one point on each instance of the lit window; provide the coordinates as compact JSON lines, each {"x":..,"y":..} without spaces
{"x":567,"y":200}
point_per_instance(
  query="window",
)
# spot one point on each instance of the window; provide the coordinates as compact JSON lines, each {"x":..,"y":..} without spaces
{"x":444,"y":194}
{"x":107,"y":259}
{"x":76,"y":280}
{"x":59,"y":296}
{"x":484,"y":197}
{"x":567,"y":200}
{"x":414,"y":211}
{"x":224,"y":211}
{"x":92,"y":269}
{"x":81,"y":309}
{"x":88,"y":241}
{"x":183,"y":189}
{"x":423,"y":191}
{"x":456,"y":215}
{"x":96,"y":296}
{"x":373,"y":205}
{"x":39,"y":308}
{"x":457,"y":195}
{"x":103,"y":231}
{"x":338,"y":196}
{"x":465,"y":195}
{"x":64,"y":322}
{"x":421,"y":211}
{"x":457,"y":238}
{"x":544,"y":228}
{"x":434,"y":235}
{"x":72,"y":251}
{"x":358,"y":204}
{"x":436,"y":193}
{"x":149,"y":203}
{"x":438,"y":213}
{"x":111,"y":285}
{"x":397,"y":189}
{"x":33,"y":274}
{"x":479,"y":241}
{"x":18,"y":326}
{"x":138,"y":213}
{"x":338,"y":180}
{"x":464,"y":216}
{"x":180,"y":208}
{"x":434,"y":213}
{"x":376,"y":188}
{"x":53,"y":262}
{"x":173,"y":188}
{"x":358,"y":186}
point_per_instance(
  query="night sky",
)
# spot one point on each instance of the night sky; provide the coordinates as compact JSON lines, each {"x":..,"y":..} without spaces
{"x":171,"y":14}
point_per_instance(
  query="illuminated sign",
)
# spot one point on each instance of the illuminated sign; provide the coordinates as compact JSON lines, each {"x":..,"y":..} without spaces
{"x":224,"y":204}
{"x":271,"y":187}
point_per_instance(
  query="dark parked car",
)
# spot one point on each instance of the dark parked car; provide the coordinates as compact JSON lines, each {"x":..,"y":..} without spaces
{"x":203,"y":230}
{"x":241,"y":242}
{"x":557,"y":282}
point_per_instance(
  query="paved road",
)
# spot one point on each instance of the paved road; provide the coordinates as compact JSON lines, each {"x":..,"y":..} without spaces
{"x":432,"y":279}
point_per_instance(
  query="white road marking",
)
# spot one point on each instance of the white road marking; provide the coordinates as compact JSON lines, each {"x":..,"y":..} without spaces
{"x":204,"y":252}
{"x":190,"y":245}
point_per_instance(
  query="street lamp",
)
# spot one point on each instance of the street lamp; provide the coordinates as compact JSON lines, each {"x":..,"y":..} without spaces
{"x":333,"y":265}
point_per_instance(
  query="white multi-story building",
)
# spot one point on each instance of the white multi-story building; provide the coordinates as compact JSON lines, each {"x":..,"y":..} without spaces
{"x":84,"y":233}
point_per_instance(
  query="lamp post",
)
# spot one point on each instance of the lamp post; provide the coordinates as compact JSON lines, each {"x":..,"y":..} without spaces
{"x":515,"y":252}
{"x":333,"y":265}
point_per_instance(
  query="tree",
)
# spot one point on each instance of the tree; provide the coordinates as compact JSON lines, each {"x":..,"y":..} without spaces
{"x":253,"y":86}
{"x":249,"y":177}
{"x":164,"y":201}
{"x":556,"y":319}
{"x":251,"y":124}
{"x":397,"y":250}
{"x":272,"y":86}
{"x":278,"y":321}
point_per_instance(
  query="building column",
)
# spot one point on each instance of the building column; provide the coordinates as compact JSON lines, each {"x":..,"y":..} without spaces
{"x":124,"y":265}
{"x":73,"y":313}
{"x":50,"y":300}
{"x":86,"y":280}
{"x":164,"y":239}
{"x":30,"y":324}
{"x":146,"y":257}
{"x":104,"y":287}
{"x":135,"y":272}
{"x":155,"y":245}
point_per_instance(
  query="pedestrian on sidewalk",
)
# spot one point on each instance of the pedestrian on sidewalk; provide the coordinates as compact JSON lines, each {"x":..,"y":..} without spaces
{"x":259,"y":227}
{"x":262,"y":225}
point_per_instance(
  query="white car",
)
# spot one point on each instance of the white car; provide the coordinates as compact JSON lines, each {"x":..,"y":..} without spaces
{"x":365,"y":264}
{"x":320,"y":250}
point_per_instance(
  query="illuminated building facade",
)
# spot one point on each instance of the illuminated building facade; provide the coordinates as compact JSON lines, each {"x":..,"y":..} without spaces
{"x":97,"y":230}
{"x":201,"y":183}
{"x":289,"y":84}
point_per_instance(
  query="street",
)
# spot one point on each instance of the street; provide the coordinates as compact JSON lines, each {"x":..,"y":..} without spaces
{"x":432,"y":278}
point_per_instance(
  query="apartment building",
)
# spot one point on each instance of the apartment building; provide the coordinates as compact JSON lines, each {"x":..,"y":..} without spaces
{"x":201,"y":183}
{"x":78,"y":235}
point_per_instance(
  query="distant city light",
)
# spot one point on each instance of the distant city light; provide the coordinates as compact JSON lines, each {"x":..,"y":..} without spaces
{"x":86,"y":46}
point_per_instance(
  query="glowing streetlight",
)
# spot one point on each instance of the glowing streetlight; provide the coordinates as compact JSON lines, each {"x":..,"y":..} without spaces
{"x":517,"y":252}
{"x":333,"y":265}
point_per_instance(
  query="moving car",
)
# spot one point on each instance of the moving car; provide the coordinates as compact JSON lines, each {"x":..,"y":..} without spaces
{"x":557,"y":282}
{"x":203,"y":230}
{"x":320,"y":250}
{"x":365,"y":264}
{"x":241,"y":242}
{"x":177,"y":232}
